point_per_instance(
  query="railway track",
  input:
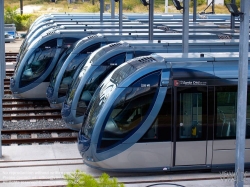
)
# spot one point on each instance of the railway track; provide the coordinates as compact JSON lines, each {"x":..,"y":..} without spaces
{"x":11,"y":54}
{"x":11,"y":57}
{"x":8,"y":73}
{"x":30,"y":136}
{"x":18,"y":109}
{"x":15,"y":110}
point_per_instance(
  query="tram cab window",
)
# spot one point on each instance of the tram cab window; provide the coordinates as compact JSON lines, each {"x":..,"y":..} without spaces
{"x":94,"y":80}
{"x":75,"y":62}
{"x":226,"y":112}
{"x":130,"y":111}
{"x":38,"y":62}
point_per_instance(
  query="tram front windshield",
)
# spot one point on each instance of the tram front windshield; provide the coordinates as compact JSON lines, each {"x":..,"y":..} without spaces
{"x":24,"y":46}
{"x":38,"y":62}
{"x":77,"y":75}
{"x":19,"y":60}
{"x":73,"y":78}
{"x":102,"y":93}
{"x":95,"y":80}
{"x":92,"y":59}
{"x":74,"y":67}
{"x":99,"y":99}
{"x":59,"y":65}
{"x":90,"y":87}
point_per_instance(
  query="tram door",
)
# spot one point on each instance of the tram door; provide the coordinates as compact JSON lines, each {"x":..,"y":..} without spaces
{"x":190,"y":118}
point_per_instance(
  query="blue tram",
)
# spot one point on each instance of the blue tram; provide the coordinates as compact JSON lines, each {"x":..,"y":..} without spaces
{"x":165,"y":113}
{"x":104,"y":60}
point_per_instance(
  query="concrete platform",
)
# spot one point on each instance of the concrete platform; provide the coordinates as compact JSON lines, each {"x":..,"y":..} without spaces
{"x":13,"y":47}
{"x":38,"y":165}
{"x":45,"y":165}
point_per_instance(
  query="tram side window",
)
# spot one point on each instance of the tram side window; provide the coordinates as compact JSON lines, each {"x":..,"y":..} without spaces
{"x":226,"y":113}
{"x":190,"y":118}
{"x":160,"y":130}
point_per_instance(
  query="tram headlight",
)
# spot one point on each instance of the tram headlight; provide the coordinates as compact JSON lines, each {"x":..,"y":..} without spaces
{"x":83,"y":143}
{"x":12,"y":82}
{"x":65,"y":110}
{"x":49,"y":92}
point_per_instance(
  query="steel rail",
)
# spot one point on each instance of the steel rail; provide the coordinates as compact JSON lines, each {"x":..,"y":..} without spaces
{"x":32,"y":104}
{"x":10,"y":59}
{"x":7,"y":92}
{"x":30,"y":117}
{"x":39,"y":140}
{"x":22,"y":100}
{"x":22,"y":111}
{"x":11,"y":54}
{"x":30,"y":131}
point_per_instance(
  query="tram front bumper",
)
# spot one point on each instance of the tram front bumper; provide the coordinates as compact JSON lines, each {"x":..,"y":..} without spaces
{"x":83,"y":143}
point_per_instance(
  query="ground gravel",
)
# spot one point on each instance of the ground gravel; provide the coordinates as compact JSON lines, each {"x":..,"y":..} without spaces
{"x":23,"y":136}
{"x":64,"y":134}
{"x":44,"y":135}
{"x":5,"y":136}
{"x":39,"y":124}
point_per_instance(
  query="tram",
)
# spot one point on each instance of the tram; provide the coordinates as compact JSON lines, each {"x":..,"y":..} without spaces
{"x":94,"y":69}
{"x":165,"y":112}
{"x":40,"y":57}
{"x":82,"y":25}
{"x":130,"y":27}
{"x":62,"y":75}
{"x":68,"y":17}
{"x":88,"y":29}
{"x":32,"y":71}
{"x":102,"y":61}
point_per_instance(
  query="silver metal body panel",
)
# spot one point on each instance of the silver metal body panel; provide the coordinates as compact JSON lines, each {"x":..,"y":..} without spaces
{"x":191,"y":153}
{"x":140,"y":154}
{"x":224,"y":151}
{"x":34,"y":93}
{"x":209,"y":156}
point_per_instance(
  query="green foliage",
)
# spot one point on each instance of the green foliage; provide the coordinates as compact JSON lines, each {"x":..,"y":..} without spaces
{"x":199,"y":2}
{"x":22,"y":22}
{"x":9,"y":14}
{"x":191,"y":3}
{"x":80,"y":179}
{"x":237,"y":2}
{"x":91,"y":8}
{"x":159,"y":2}
{"x":129,"y":5}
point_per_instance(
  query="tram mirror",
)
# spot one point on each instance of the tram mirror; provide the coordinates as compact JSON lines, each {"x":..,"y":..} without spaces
{"x":177,"y":4}
{"x":145,"y":2}
{"x":233,"y":9}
